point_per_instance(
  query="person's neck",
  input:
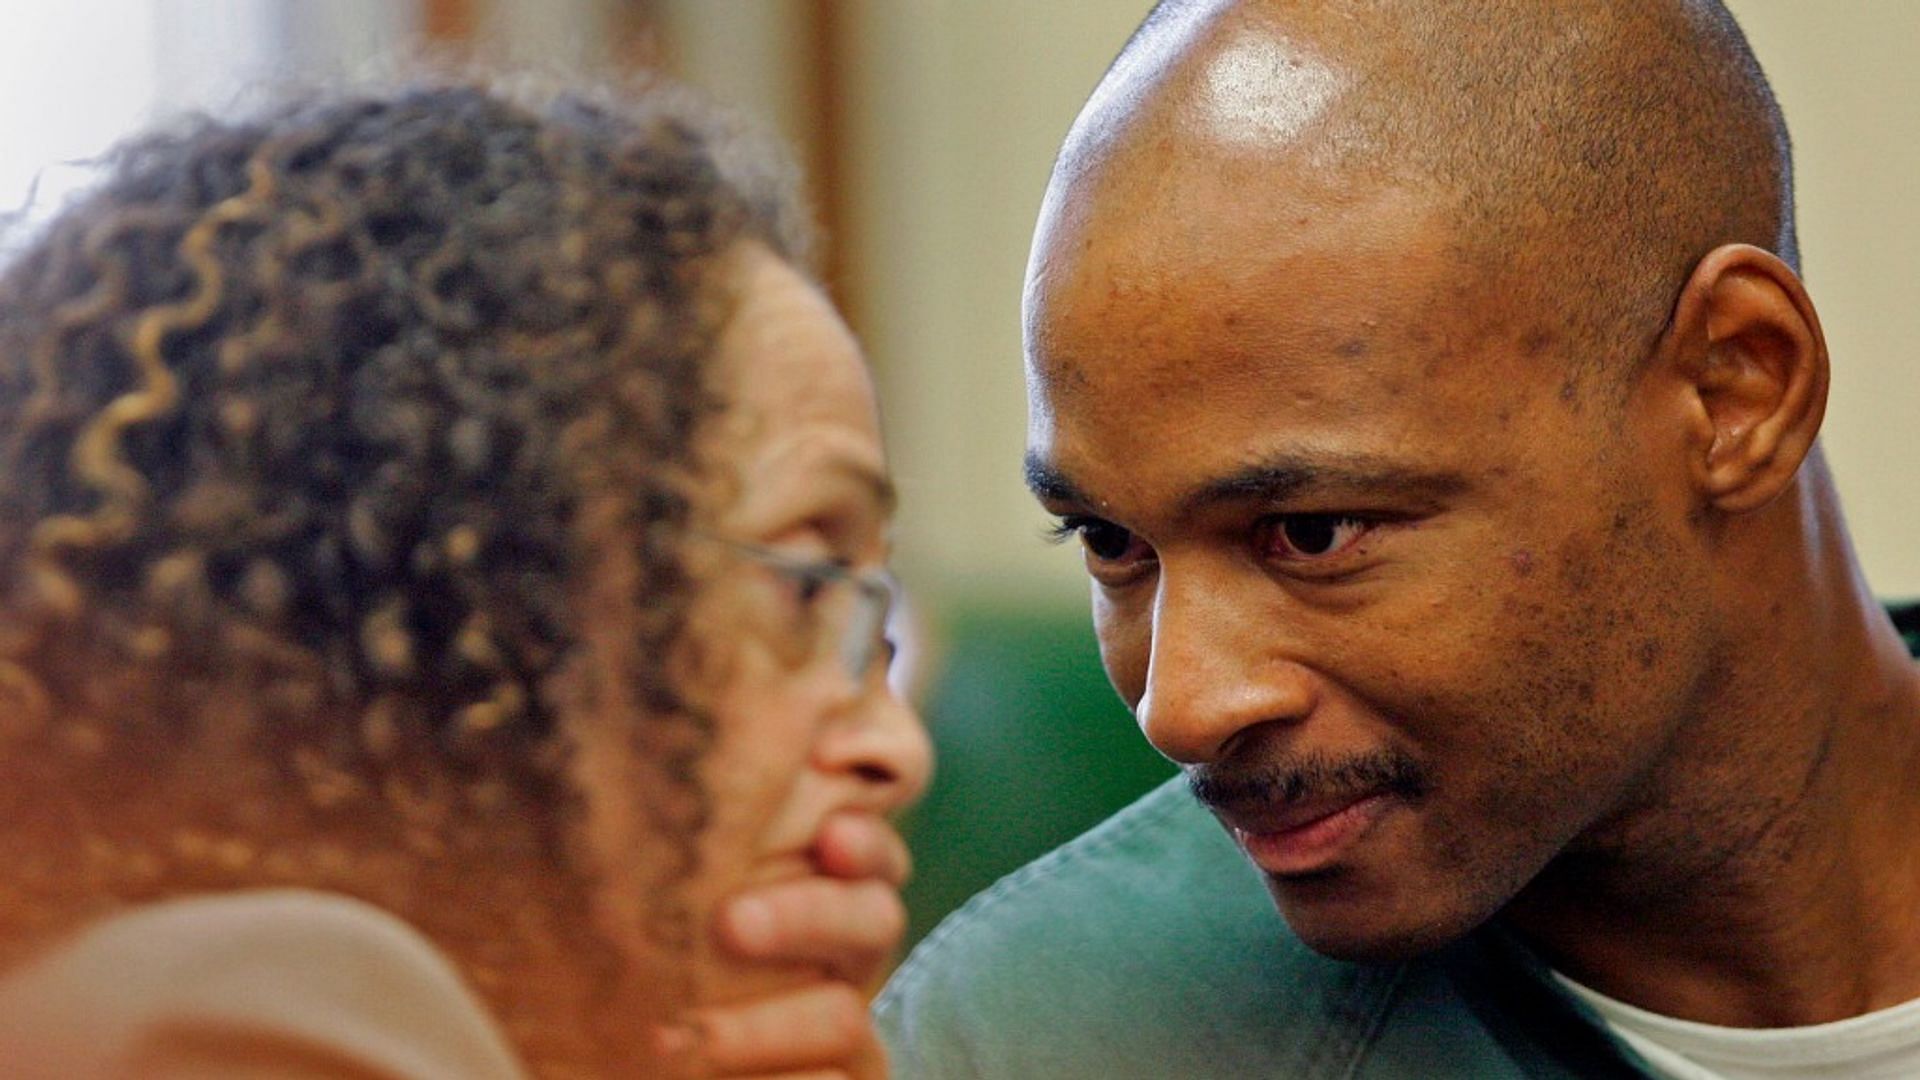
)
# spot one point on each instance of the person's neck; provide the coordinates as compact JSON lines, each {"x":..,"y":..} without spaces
{"x":1768,"y":877}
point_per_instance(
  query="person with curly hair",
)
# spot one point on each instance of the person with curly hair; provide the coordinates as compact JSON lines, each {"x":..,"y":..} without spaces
{"x":441,"y":608}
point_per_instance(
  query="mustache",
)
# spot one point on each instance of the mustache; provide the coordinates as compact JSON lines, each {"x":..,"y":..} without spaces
{"x":1311,"y":776}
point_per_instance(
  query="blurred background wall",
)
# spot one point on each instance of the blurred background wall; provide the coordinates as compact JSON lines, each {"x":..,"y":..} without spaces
{"x":928,"y":127}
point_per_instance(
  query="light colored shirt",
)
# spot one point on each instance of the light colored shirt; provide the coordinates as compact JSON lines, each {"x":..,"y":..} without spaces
{"x":1880,"y":1045}
{"x":284,"y":983}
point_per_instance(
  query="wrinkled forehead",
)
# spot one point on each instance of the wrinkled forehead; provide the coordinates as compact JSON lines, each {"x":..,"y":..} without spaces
{"x":784,"y":354}
{"x":800,"y":429}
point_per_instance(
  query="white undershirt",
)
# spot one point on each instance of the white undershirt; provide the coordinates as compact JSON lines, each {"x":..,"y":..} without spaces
{"x":1883,"y":1045}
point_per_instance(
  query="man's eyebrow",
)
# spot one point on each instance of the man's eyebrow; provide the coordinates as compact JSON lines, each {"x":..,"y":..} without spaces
{"x":1049,"y":483}
{"x":1284,"y":476}
{"x":1273,"y":479}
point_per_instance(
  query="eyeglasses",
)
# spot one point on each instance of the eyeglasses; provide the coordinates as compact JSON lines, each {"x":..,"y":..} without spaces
{"x":860,"y":638}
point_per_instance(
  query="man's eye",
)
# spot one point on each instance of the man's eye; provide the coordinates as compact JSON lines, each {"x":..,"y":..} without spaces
{"x":1103,"y":540}
{"x":1313,"y":536}
{"x":1106,"y":541}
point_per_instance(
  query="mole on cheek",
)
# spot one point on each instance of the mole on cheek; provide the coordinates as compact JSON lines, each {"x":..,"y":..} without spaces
{"x":1536,"y":341}
{"x":1647,"y":653}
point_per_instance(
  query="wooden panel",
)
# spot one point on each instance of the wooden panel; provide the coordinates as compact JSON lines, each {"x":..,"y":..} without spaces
{"x":448,"y":21}
{"x":826,"y":148}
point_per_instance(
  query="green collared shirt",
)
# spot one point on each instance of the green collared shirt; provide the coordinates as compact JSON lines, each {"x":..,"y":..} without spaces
{"x":1148,"y":948}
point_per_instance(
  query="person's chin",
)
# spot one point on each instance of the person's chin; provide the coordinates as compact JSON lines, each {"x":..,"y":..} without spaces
{"x":1327,"y":917}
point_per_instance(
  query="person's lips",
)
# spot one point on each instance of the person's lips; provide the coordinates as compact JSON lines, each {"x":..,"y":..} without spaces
{"x":1306,"y":836}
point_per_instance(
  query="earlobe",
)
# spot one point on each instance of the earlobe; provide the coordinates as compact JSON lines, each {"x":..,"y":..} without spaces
{"x":1757,"y":362}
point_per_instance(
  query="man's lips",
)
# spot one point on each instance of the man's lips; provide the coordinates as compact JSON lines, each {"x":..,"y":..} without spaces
{"x":1307,"y":836}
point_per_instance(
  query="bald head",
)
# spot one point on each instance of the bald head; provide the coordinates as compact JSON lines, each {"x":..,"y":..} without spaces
{"x":1588,"y":152}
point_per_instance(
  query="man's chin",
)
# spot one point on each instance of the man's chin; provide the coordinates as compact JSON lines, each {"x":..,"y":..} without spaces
{"x":1359,"y":932}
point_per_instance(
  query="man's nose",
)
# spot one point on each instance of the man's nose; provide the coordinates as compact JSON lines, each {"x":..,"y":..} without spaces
{"x":883,"y":747}
{"x":1216,"y":668}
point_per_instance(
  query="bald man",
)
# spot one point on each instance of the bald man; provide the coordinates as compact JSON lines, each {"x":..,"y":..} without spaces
{"x":1432,"y":389}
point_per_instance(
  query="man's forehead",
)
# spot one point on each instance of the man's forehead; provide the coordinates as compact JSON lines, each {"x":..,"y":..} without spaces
{"x":1360,"y":337}
{"x":1177,"y":291}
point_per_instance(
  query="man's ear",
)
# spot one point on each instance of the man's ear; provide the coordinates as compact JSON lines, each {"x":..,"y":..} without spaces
{"x":1750,"y":347}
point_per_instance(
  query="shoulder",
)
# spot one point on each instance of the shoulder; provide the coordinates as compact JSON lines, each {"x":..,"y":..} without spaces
{"x":1146,"y":947}
{"x":1138,"y":866}
{"x":290,"y":981}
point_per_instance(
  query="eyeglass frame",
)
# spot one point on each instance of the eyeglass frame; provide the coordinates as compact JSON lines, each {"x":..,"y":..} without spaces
{"x":863,"y":639}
